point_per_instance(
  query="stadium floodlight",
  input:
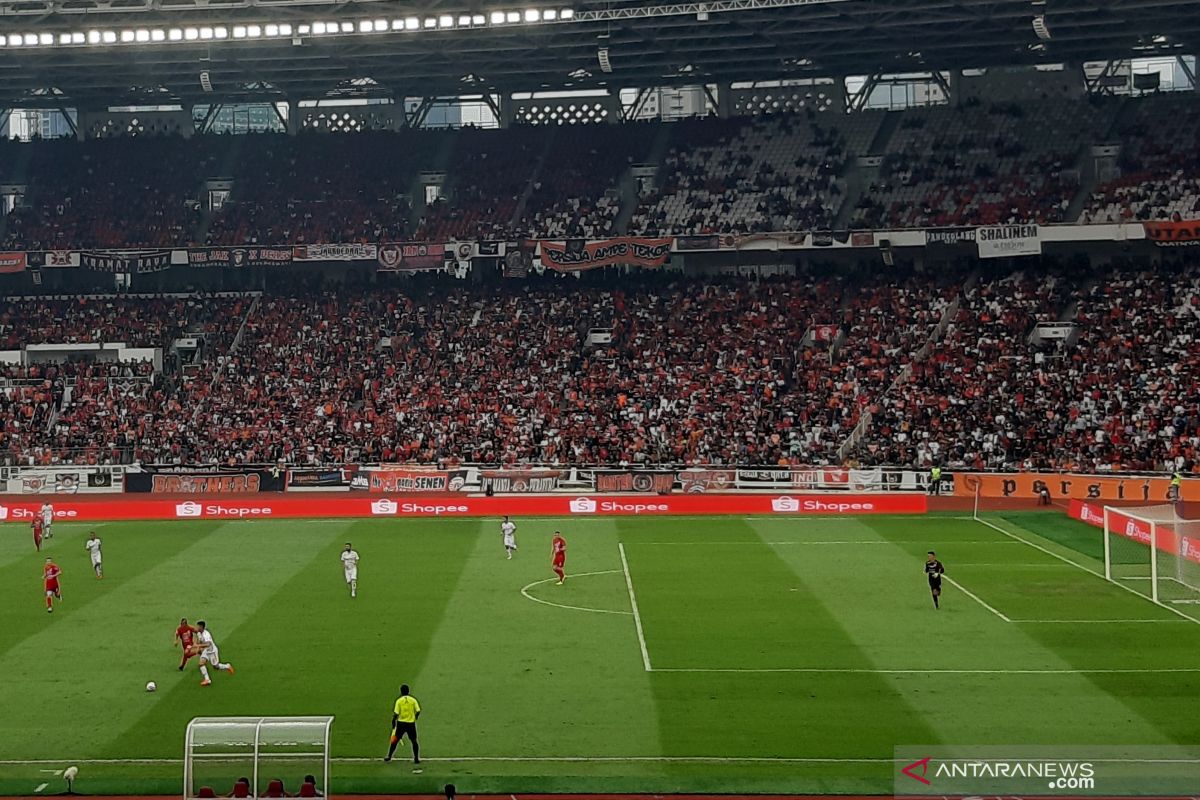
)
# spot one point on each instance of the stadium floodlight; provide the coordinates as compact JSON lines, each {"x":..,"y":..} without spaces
{"x":272,"y":30}
{"x":220,"y":32}
{"x":445,"y":21}
{"x":126,"y":37}
{"x":464,"y":20}
{"x":3,"y":40}
{"x":431,"y":22}
{"x":158,"y":35}
{"x":64,"y":38}
{"x":347,"y":27}
{"x":206,"y":33}
{"x":142,"y":35}
{"x":285,"y":29}
{"x":512,"y":16}
{"x":46,"y":39}
{"x":381,"y":25}
{"x":566,"y":13}
{"x":532,"y":15}
{"x":478,"y":19}
{"x":497,"y":17}
{"x":318,"y":28}
{"x":191,"y":34}
{"x":253,"y":31}
{"x":93,"y":37}
{"x":366,"y":26}
{"x":109,"y":37}
{"x":77,"y":37}
{"x":549,"y":15}
{"x":239,"y":31}
{"x":411,"y":23}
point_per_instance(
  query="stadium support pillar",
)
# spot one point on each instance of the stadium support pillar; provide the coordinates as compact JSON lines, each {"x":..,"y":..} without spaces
{"x":612,"y":102}
{"x":838,"y":93}
{"x":293,"y":117}
{"x":5,"y":115}
{"x":508,"y":110}
{"x":724,"y":100}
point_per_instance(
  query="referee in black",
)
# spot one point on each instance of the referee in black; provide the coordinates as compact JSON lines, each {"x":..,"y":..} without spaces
{"x":404,"y":721}
{"x":934,"y":570}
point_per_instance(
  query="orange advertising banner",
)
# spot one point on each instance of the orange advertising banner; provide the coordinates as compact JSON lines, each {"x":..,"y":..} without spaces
{"x":1071,"y":486}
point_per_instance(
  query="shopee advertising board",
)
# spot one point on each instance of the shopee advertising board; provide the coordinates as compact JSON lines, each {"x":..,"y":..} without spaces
{"x":1137,"y":530}
{"x":289,"y":507}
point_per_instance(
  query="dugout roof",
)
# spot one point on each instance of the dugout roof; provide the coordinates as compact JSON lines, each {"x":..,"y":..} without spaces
{"x":646,"y":45}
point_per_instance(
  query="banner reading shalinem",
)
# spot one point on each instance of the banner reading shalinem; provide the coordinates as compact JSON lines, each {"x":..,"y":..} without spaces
{"x":574,"y":255}
{"x":1001,"y":241}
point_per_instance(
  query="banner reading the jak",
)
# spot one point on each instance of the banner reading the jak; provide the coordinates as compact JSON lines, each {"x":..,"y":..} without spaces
{"x":238,"y":257}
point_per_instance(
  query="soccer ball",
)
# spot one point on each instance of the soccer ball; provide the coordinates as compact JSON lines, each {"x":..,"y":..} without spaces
{"x":151,"y":686}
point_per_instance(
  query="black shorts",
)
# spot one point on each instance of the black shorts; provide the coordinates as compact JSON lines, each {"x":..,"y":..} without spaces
{"x":935,"y":584}
{"x":409,"y":728}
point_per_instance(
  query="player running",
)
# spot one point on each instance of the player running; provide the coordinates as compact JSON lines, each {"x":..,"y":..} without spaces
{"x":50,"y":573}
{"x":47,"y":513}
{"x":558,"y":552}
{"x":38,"y":532}
{"x":183,"y":637}
{"x":934,"y":570}
{"x":509,"y":529}
{"x":92,"y":545}
{"x":350,"y":568}
{"x":208,"y":653}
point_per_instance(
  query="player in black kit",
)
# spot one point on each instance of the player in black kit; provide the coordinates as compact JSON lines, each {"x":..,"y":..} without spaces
{"x":934,"y":570}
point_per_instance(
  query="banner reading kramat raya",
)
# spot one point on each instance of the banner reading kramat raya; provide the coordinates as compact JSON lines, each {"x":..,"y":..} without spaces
{"x":574,"y":255}
{"x":1071,"y":486}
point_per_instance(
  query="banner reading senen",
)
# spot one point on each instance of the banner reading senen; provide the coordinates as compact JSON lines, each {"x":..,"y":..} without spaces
{"x":574,"y":255}
{"x":386,"y":480}
{"x":1070,"y":486}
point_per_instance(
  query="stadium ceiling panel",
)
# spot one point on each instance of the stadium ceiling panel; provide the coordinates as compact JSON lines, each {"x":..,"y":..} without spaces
{"x":93,"y":52}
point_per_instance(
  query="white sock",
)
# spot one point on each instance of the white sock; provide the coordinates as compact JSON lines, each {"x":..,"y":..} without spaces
{"x":222,"y":666}
{"x":204,"y":672}
{"x":354,"y":587}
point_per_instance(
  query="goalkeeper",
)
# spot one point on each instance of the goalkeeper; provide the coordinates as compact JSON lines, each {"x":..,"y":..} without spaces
{"x":934,"y":570}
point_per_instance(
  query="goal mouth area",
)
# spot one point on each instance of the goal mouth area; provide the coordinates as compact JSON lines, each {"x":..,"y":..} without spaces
{"x":1155,"y":552}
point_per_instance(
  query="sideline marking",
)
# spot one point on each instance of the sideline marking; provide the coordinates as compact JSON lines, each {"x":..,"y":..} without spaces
{"x":40,"y":787}
{"x":637,"y":617}
{"x":974,"y":597}
{"x":866,"y":671}
{"x":1077,"y":565}
{"x":525,"y":591}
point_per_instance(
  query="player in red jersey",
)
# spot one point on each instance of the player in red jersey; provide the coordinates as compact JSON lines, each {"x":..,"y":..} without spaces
{"x":558,"y":552}
{"x":37,"y":532}
{"x":50,"y":573}
{"x":183,"y":637}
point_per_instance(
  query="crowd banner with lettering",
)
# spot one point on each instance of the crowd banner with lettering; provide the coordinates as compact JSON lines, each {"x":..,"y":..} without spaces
{"x":1168,"y":540}
{"x":1174,"y":234}
{"x":61,"y":480}
{"x":402,"y":480}
{"x":52,"y":259}
{"x":238,"y":257}
{"x":519,"y":481}
{"x":698,"y":480}
{"x":126,"y":261}
{"x":862,"y":239}
{"x":575,"y":255}
{"x":635,"y":481}
{"x":411,"y":256}
{"x":1002,"y":241}
{"x":1071,"y":486}
{"x":692,"y":243}
{"x":200,"y":481}
{"x":949,"y":235}
{"x":331,"y":479}
{"x":12,"y":262}
{"x":335,"y":252}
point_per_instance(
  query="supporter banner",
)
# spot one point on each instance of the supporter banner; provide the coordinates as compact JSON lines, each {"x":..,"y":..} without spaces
{"x":1168,"y":540}
{"x":629,"y":481}
{"x":519,"y":481}
{"x":238,"y":257}
{"x":516,"y":262}
{"x":126,"y":261}
{"x":12,"y":262}
{"x":1173,"y":234}
{"x":53,"y":259}
{"x":489,"y":249}
{"x":205,"y":482}
{"x":577,"y":254}
{"x":60,"y":480}
{"x":949,"y":235}
{"x":318,"y":479}
{"x":830,"y":238}
{"x":1001,"y":241}
{"x":386,"y":480}
{"x":763,"y":241}
{"x":699,"y":480}
{"x":862,"y":239}
{"x":824,"y":333}
{"x":1070,"y":486}
{"x":692,"y":243}
{"x":335,"y":252}
{"x":411,"y":256}
{"x":350,"y":506}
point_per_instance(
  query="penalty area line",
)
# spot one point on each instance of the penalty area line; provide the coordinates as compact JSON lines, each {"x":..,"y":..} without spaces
{"x":637,"y":617}
{"x":974,"y":597}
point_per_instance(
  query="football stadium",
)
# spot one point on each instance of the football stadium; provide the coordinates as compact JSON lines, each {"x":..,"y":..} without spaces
{"x":600,"y":399}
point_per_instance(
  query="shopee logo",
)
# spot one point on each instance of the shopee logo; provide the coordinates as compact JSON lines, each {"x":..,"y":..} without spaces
{"x":785,"y":505}
{"x":188,"y":509}
{"x":384,"y":507}
{"x":238,"y":511}
{"x":633,"y":508}
{"x":3,"y":512}
{"x":583,"y":505}
{"x":436,"y":510}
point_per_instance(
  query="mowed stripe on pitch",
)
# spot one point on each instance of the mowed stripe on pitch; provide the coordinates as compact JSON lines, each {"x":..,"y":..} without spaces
{"x":61,"y":680}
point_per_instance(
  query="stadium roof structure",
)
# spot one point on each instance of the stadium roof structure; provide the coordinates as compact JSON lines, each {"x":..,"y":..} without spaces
{"x":92,"y":53}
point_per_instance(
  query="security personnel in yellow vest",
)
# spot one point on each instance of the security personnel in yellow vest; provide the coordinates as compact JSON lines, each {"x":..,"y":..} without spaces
{"x":935,"y":479}
{"x":404,"y":721}
{"x":1175,"y":492}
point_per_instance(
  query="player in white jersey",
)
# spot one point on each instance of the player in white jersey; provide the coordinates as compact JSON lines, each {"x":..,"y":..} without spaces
{"x":47,"y":513}
{"x":509,"y":529}
{"x":350,"y":568}
{"x":209,"y":656}
{"x":92,"y":545}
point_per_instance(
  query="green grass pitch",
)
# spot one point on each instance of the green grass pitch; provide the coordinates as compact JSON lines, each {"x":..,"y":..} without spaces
{"x":785,"y":655}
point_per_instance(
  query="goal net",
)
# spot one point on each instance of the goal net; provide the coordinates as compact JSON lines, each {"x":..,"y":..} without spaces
{"x":219,"y":752}
{"x":1155,"y":552}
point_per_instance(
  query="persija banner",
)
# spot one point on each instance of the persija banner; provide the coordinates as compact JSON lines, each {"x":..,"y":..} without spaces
{"x":1138,"y":530}
{"x":1071,"y":486}
{"x":519,"y":481}
{"x":640,"y":481}
{"x":411,"y":256}
{"x":12,"y":262}
{"x":358,"y":506}
{"x":575,"y":255}
{"x":1173,"y":234}
{"x":240,"y":257}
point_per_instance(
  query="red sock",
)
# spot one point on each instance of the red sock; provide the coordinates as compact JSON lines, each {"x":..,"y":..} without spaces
{"x":49,"y":602}
{"x":558,"y":571}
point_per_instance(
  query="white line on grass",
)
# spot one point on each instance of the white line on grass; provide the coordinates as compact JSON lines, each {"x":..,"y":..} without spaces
{"x":760,"y":542}
{"x":506,"y":759}
{"x":872,"y":671}
{"x":525,"y":591}
{"x":1099,"y":621}
{"x":40,"y":787}
{"x":637,"y":617}
{"x":1077,"y":565}
{"x":974,"y":597}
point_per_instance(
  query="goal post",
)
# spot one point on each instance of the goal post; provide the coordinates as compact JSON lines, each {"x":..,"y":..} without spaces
{"x":1154,"y":552}
{"x":220,"y":751}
